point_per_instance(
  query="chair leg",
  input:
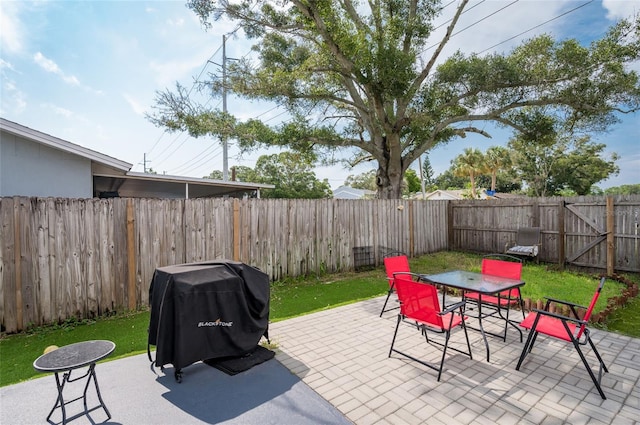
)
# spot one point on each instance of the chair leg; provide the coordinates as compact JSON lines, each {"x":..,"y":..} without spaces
{"x":506,"y":323}
{"x":386,"y":301}
{"x":586,"y":365}
{"x":533,"y":340}
{"x":528,"y":345}
{"x":395,"y":334}
{"x":426,"y":334}
{"x":466,"y":335}
{"x":444,"y":352}
{"x":525,"y":350}
{"x":595,"y":350}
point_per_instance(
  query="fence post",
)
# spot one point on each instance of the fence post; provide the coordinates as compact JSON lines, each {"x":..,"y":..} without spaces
{"x":411,"y":230}
{"x":535,"y":213}
{"x":450,"y":238}
{"x":611,"y":246}
{"x":561,"y":234}
{"x":236,"y":230}
{"x":131,"y":256}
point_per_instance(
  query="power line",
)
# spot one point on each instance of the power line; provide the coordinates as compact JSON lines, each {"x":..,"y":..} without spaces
{"x":473,"y":24}
{"x":467,"y":10}
{"x":486,"y":17}
{"x":194,"y":165}
{"x":170,"y":154}
{"x":195,"y":83}
{"x":190,"y":90}
{"x":538,"y":26}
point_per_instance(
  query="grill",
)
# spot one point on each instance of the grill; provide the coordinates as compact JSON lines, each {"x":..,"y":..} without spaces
{"x":203,"y":311}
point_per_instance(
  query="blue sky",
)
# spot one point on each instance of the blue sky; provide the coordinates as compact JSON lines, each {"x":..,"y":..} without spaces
{"x":87,"y":71}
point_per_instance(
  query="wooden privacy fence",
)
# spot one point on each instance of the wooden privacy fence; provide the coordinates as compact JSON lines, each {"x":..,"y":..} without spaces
{"x":595,"y":232}
{"x":62,"y":258}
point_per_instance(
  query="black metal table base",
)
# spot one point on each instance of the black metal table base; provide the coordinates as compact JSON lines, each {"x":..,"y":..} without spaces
{"x":61,"y":403}
{"x":484,"y":332}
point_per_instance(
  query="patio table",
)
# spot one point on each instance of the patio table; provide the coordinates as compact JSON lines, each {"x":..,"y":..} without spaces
{"x":68,"y":358}
{"x":483,"y":284}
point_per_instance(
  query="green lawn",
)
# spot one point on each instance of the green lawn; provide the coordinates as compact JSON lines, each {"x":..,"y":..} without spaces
{"x":625,"y":320}
{"x":293,"y":297}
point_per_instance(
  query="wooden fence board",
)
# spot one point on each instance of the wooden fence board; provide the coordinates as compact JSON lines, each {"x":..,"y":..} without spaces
{"x":8,"y":290}
{"x":105,"y":254}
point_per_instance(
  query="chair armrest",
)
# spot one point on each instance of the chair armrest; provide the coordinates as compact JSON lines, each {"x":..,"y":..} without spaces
{"x":570,"y":304}
{"x":559,"y":316}
{"x":452,"y":308}
{"x":415,"y":276}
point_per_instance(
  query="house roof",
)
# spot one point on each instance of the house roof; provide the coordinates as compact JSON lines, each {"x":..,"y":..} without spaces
{"x":463,"y":194}
{"x":348,"y":192}
{"x":444,"y":194}
{"x":98,"y":159}
{"x":499,"y":195}
{"x":111,"y":175}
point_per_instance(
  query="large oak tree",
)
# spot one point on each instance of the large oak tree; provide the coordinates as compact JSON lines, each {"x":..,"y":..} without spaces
{"x":355,"y":74}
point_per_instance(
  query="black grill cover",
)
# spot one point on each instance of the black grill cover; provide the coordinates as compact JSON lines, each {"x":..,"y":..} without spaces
{"x":201,"y":311}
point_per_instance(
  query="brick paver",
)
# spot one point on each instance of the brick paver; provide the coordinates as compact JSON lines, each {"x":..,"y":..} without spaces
{"x":343,"y":354}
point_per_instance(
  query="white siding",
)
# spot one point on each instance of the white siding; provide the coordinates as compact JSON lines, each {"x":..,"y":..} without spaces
{"x":31,"y":169}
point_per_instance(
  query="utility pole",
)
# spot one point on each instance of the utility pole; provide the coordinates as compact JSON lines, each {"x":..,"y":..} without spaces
{"x":422,"y":188}
{"x":144,"y":162}
{"x":225,"y":158}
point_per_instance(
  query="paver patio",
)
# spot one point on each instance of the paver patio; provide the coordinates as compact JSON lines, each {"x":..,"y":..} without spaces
{"x":342,"y":353}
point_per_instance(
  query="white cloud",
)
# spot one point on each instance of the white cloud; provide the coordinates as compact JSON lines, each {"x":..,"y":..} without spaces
{"x":6,"y":65}
{"x":13,"y":99}
{"x":135,"y":105}
{"x":620,"y":9}
{"x":46,"y":64}
{"x":12,"y":33}
{"x":58,"y":110}
{"x":176,"y":22}
{"x":50,"y":66}
{"x":71,"y":79}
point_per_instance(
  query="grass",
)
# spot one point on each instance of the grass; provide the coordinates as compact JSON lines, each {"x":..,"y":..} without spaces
{"x":291,"y":298}
{"x":17,"y":352}
{"x":294,"y":297}
{"x":625,"y":320}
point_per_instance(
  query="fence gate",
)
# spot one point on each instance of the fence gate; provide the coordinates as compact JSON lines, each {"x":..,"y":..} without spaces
{"x":587,"y":232}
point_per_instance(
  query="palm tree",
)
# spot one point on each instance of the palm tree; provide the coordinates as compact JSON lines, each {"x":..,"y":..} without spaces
{"x":469,"y":163}
{"x":496,"y":159}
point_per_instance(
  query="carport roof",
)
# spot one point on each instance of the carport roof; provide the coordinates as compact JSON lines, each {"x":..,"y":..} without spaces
{"x":145,"y":185}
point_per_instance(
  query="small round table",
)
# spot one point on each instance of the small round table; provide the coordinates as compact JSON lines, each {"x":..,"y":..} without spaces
{"x":74,"y":356}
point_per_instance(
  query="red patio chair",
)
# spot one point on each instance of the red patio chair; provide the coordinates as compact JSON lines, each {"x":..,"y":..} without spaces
{"x":419,"y":303}
{"x":503,"y":266}
{"x":567,"y":329}
{"x":394,"y":264}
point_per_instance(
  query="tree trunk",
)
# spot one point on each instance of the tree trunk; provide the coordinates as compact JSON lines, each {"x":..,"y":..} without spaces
{"x":390,"y":172}
{"x":473,"y":185}
{"x":389,"y":183}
